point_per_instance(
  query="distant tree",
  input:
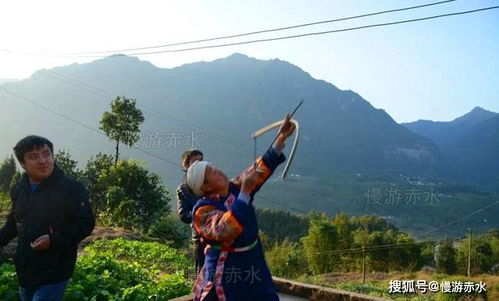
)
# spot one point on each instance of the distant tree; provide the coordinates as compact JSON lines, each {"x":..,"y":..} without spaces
{"x":361,"y":238}
{"x":482,"y":255}
{"x":372,"y":223}
{"x":493,"y":233}
{"x":279,"y":224}
{"x":65,"y":162}
{"x":342,"y":224}
{"x":5,"y":203}
{"x":446,"y":258}
{"x":406,"y":257}
{"x":7,"y":172}
{"x":287,"y":259}
{"x":320,"y":243}
{"x":15,"y":178}
{"x":122,"y":123}
{"x":171,"y":230}
{"x":379,"y":258}
{"x":427,"y":256}
{"x":264,"y":239}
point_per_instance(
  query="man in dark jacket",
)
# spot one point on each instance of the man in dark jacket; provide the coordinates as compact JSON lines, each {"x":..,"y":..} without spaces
{"x":186,"y":200}
{"x":50,"y":215}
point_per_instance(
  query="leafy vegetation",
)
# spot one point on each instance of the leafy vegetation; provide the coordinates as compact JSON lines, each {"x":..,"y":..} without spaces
{"x":279,"y":225}
{"x":118,"y":270}
{"x":334,"y":246}
{"x":5,"y":203}
{"x":7,"y":172}
{"x":149,"y":254}
{"x":171,"y":230}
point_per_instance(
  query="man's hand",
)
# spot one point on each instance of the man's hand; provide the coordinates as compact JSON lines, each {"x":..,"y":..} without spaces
{"x":41,"y":243}
{"x":250,"y":181}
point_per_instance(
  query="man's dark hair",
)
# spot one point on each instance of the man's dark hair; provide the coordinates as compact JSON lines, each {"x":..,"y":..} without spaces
{"x":30,"y":143}
{"x":188,"y":154}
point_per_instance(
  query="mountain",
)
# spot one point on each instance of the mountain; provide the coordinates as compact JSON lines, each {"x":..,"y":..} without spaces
{"x":228,"y":99}
{"x":470,"y":144}
{"x":7,"y":80}
{"x":346,"y":148}
{"x":475,"y":116}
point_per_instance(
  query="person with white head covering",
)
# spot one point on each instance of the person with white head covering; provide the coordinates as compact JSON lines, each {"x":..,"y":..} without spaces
{"x":225,"y":218}
{"x":195,"y":176}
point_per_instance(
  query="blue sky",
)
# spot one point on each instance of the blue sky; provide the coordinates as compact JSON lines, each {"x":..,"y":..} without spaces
{"x":437,"y":69}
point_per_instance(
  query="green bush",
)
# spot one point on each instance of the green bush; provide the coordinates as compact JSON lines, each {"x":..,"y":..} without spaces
{"x":4,"y":203}
{"x":171,"y":230}
{"x":128,"y":195}
{"x":8,"y":283}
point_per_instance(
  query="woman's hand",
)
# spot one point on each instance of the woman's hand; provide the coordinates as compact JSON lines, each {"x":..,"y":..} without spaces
{"x":287,"y":128}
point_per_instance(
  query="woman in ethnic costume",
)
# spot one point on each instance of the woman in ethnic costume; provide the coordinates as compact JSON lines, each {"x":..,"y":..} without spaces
{"x":224,"y":216}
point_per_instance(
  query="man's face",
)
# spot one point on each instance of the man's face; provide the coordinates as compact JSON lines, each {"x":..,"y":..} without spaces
{"x":194,"y":159}
{"x":215,"y":181}
{"x":38,"y":163}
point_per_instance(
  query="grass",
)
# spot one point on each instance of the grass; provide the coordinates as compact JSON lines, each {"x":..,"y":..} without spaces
{"x":379,"y":286}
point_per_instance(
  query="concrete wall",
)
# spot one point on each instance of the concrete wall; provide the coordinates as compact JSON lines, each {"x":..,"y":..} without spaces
{"x":310,"y":292}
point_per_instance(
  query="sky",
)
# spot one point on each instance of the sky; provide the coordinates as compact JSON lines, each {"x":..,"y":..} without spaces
{"x":437,"y":70}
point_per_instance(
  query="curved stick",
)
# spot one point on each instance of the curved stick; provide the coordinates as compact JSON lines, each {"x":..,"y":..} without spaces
{"x":295,"y":142}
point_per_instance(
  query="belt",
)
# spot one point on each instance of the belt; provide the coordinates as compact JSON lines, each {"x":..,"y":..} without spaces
{"x":231,"y":249}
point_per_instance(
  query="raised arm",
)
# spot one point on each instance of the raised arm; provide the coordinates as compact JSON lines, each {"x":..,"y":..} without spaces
{"x":268,"y":163}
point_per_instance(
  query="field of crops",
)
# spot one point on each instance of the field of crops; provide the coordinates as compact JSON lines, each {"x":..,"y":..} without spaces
{"x":118,"y":270}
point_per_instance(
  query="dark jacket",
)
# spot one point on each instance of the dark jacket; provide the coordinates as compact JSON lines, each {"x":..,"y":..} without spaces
{"x":186,"y":200}
{"x":59,"y":206}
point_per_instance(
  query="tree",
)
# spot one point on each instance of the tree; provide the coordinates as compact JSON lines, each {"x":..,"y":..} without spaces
{"x":342,"y":224}
{"x":280,"y":224}
{"x":94,"y":168}
{"x":427,"y":254}
{"x":482,"y":255}
{"x":372,"y":223}
{"x":122,"y":123}
{"x":406,"y":257}
{"x":361,"y":238}
{"x":15,"y":178}
{"x":287,"y":259}
{"x":446,"y":258}
{"x":378,"y":257}
{"x":68,"y":165}
{"x":320,"y":243}
{"x":7,"y":172}
{"x":133,"y":197}
{"x":171,"y":230}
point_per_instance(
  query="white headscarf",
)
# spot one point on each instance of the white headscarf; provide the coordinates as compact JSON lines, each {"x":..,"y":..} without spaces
{"x":195,"y":176}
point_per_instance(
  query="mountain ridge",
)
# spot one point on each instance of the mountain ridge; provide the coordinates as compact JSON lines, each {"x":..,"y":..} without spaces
{"x":344,"y":139}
